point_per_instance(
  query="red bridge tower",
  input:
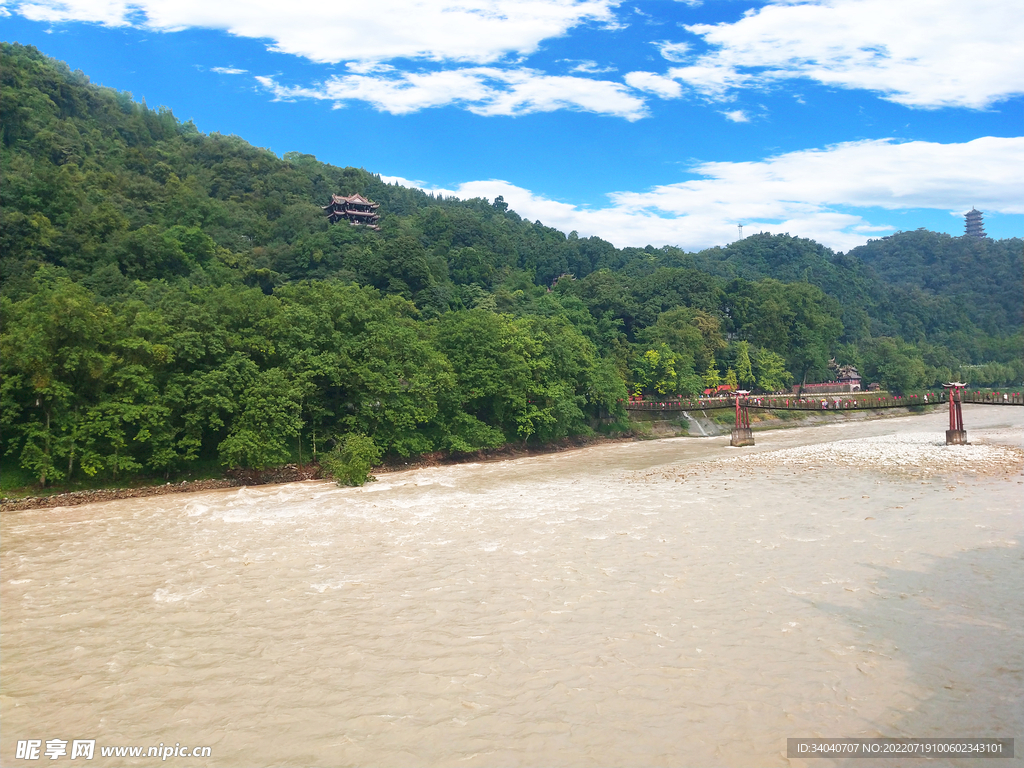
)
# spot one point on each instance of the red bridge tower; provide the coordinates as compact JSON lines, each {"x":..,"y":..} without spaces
{"x":956,"y":434}
{"x":741,"y":434}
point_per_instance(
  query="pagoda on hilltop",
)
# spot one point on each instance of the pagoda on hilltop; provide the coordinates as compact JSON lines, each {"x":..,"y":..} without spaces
{"x":973,"y":226}
{"x":355,"y":209}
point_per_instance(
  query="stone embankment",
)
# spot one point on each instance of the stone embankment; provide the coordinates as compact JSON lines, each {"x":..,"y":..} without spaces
{"x":701,"y":424}
{"x":286,"y":474}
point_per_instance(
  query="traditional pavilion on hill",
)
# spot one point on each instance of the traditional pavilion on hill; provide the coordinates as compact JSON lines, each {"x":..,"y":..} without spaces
{"x":973,"y":226}
{"x":355,"y":209}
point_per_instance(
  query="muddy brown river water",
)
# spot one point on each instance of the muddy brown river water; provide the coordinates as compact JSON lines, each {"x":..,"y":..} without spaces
{"x":673,"y":602}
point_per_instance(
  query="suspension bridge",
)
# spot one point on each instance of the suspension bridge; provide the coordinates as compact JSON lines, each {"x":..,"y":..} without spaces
{"x":742,"y":402}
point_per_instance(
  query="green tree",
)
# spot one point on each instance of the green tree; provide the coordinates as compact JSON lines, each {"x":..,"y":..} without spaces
{"x":393,"y":382}
{"x":694,"y":337}
{"x":54,"y":357}
{"x":896,"y":364}
{"x":796,"y":320}
{"x":744,"y":371}
{"x":269,"y":416}
{"x":655,"y":371}
{"x":772,"y":375}
{"x":492,"y":375}
{"x":712,"y":377}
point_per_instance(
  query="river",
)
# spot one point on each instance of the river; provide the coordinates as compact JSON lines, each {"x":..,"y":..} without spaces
{"x":671,"y":602}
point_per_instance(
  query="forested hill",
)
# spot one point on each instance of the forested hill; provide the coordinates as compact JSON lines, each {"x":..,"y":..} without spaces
{"x":173,"y":300}
{"x":982,"y":275}
{"x":919,"y":285}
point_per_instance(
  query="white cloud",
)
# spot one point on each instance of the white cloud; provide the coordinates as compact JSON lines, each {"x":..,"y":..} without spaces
{"x":673,"y":51}
{"x":710,"y":78}
{"x":921,"y":53}
{"x":481,"y":90}
{"x":660,"y":85}
{"x":366,"y":67}
{"x":737,"y":116}
{"x":228,"y":70}
{"x":366,"y":36}
{"x":809,"y":193}
{"x":111,"y":13}
{"x":477,"y":31}
{"x":588,"y":67}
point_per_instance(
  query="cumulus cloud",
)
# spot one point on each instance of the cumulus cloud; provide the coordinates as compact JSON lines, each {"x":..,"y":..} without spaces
{"x":481,"y":90}
{"x":111,"y":13}
{"x":588,"y":67}
{"x":921,"y":53}
{"x":477,"y":31}
{"x":228,"y":70}
{"x":654,"y":83}
{"x":713,"y":79}
{"x":737,"y":116}
{"x":812,"y":193}
{"x":673,"y":51}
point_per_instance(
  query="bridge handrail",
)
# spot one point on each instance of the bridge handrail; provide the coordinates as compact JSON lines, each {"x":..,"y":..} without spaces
{"x":992,"y":398}
{"x":821,"y":403}
{"x":679,"y":405}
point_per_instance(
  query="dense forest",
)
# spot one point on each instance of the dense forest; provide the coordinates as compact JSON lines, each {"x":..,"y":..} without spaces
{"x":173,"y":300}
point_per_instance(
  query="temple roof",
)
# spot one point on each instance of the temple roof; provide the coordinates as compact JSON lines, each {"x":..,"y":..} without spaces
{"x":355,"y":199}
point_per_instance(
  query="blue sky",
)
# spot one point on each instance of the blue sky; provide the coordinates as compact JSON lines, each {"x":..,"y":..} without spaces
{"x":655,"y":121}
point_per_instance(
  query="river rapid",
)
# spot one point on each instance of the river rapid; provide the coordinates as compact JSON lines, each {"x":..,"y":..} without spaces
{"x":672,"y":602}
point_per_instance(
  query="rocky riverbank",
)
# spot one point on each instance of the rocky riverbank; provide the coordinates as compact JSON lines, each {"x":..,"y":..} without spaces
{"x":910,"y":454}
{"x":702,"y":426}
{"x":286,"y":474}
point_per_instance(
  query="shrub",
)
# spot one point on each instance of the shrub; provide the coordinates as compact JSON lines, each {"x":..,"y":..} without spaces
{"x":351,"y":459}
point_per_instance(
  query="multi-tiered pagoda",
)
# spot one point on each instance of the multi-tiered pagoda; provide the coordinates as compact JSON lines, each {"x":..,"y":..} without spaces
{"x":355,"y":209}
{"x":973,"y":226}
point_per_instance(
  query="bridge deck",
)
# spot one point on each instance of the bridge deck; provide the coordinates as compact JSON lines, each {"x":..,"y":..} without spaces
{"x":776,"y":403}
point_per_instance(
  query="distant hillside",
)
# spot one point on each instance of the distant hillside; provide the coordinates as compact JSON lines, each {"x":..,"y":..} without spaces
{"x":172,"y":301}
{"x":983,"y":276}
